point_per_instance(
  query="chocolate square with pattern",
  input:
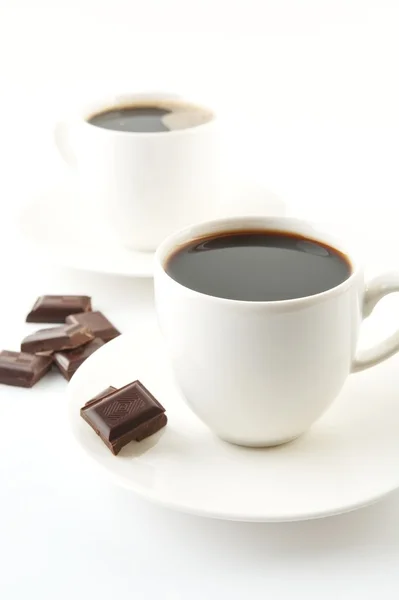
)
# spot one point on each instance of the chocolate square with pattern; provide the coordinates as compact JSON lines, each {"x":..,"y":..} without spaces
{"x":127,"y":414}
{"x":22,"y":369}
{"x":55,"y":309}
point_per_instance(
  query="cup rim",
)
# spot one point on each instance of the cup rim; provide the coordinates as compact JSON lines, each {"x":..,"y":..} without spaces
{"x":304,"y":227}
{"x":121,"y":99}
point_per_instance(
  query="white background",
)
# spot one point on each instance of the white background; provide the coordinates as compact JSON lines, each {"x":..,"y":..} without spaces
{"x":312,"y":89}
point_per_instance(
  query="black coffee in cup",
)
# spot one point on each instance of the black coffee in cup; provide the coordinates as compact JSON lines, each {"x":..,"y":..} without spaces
{"x":258,"y":266}
{"x":151,"y":117}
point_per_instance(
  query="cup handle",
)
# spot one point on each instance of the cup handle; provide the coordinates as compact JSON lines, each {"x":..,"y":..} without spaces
{"x":62,"y":139}
{"x":376,"y":289}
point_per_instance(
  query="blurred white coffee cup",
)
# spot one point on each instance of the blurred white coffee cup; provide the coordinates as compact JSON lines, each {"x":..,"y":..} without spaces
{"x":146,"y":184}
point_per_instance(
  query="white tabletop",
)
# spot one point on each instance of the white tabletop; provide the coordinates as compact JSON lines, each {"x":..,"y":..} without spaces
{"x":322,"y":131}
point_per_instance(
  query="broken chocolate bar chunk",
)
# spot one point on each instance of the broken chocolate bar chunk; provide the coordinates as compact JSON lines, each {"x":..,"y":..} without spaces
{"x":130,"y":413}
{"x":51,"y":339}
{"x":22,"y":369}
{"x":97,"y":323}
{"x":55,"y":309}
{"x":68,"y":361}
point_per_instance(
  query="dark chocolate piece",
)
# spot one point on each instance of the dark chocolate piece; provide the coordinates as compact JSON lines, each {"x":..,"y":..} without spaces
{"x":130,"y":413}
{"x":102,"y":394}
{"x":68,"y":361}
{"x":55,"y":309}
{"x":21,"y":369}
{"x":97,"y":323}
{"x":56,"y":338}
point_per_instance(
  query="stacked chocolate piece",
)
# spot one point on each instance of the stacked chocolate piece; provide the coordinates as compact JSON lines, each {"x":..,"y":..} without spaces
{"x":123,"y":415}
{"x":82,"y":332}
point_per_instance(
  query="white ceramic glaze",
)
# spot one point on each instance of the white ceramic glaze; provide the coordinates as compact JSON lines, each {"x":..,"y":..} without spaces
{"x":145,"y":184}
{"x":348,"y":459}
{"x":261,"y":373}
{"x":58,"y":237}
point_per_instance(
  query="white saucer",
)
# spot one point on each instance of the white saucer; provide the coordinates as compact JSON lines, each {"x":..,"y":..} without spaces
{"x":347,"y":460}
{"x":52,"y":227}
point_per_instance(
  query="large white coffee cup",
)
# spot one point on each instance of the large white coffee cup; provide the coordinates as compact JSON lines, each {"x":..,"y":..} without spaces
{"x":261,"y":373}
{"x":145,"y":185}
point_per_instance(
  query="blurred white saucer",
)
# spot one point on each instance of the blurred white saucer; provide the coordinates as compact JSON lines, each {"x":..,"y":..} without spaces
{"x":55,"y":226}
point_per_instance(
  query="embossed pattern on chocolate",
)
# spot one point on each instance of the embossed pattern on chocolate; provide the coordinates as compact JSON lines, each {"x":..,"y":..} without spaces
{"x":130,"y":413}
